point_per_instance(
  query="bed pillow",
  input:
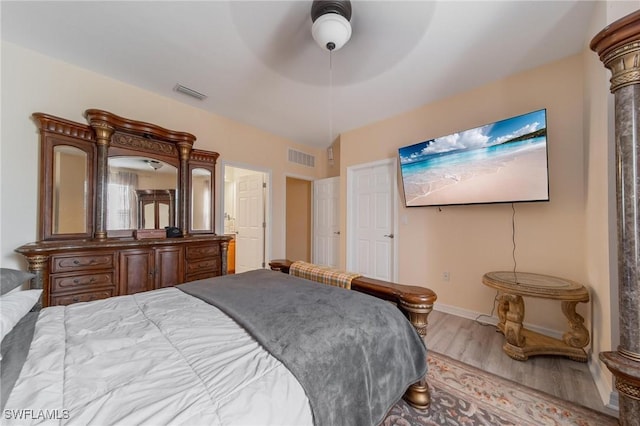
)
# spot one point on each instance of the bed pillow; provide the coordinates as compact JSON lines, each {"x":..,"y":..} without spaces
{"x":14,"y":306}
{"x":12,"y":278}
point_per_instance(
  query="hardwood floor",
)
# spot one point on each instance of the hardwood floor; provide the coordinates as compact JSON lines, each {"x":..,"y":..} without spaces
{"x":481,"y":346}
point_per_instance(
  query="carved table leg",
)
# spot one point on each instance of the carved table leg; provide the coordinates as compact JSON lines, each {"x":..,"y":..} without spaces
{"x":578,"y":335}
{"x":503,"y":308}
{"x":513,"y":327}
{"x":513,"y":320}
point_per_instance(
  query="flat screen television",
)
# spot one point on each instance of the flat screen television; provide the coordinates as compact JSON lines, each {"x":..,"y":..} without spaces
{"x":501,"y":162}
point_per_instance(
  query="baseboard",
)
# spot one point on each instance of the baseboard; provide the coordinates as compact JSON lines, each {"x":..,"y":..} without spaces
{"x":493,"y":320}
{"x":608,"y":395}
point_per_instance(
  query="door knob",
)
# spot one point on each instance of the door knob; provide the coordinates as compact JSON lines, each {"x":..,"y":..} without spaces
{"x":389,"y":235}
{"x":337,"y":232}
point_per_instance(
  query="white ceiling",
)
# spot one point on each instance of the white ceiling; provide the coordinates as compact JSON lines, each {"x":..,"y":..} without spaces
{"x":258,"y":64}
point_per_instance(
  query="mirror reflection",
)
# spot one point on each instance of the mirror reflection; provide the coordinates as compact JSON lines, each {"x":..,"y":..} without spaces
{"x":129,"y":177}
{"x":156,"y":208}
{"x":201,"y":219}
{"x":70,"y":190}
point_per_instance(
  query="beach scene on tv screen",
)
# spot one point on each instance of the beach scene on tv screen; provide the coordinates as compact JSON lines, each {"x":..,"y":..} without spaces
{"x":505,"y":161}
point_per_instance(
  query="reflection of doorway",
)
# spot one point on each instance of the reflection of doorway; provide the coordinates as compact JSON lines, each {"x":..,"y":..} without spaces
{"x":245,"y":215}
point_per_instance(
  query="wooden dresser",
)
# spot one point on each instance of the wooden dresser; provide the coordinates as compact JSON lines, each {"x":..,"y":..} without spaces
{"x":85,"y":270}
{"x":107,"y":191}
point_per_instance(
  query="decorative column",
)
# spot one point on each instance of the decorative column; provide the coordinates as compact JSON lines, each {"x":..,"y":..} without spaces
{"x":103,"y":135}
{"x":618,"y":46}
{"x":184,"y":197}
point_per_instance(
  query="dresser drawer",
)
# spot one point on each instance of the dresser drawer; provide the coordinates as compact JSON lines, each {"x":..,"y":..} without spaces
{"x":212,"y":264}
{"x":202,"y":275}
{"x":80,"y":262}
{"x":204,"y":251}
{"x":81,"y":297}
{"x":85,"y":281}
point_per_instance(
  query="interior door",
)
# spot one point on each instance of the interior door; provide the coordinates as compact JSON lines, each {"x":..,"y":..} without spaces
{"x":326,"y":221}
{"x":371,"y":195}
{"x":250,"y":224}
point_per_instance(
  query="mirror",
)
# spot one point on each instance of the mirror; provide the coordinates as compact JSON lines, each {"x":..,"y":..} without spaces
{"x":69,"y":190}
{"x":89,"y":175}
{"x":131,"y":177}
{"x":201,"y":200}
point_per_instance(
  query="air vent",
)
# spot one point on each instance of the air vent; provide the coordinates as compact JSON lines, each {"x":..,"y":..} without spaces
{"x":189,"y":92}
{"x":300,"y":157}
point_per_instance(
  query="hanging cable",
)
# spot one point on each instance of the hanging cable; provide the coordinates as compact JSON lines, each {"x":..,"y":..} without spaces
{"x":493,"y":309}
{"x":513,"y":242}
{"x":496,"y":299}
{"x":330,"y":97}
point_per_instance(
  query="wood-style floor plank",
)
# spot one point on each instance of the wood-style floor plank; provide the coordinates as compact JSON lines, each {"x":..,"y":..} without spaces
{"x":481,"y":346}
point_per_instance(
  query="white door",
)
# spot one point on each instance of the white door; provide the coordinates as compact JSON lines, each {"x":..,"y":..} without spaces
{"x":371,"y":216}
{"x":326,"y":222}
{"x":250,"y":225}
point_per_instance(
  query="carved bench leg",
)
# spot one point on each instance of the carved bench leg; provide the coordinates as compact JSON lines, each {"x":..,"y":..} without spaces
{"x":418,"y":394}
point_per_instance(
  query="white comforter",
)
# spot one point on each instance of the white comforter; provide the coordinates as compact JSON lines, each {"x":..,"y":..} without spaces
{"x":160,"y":357}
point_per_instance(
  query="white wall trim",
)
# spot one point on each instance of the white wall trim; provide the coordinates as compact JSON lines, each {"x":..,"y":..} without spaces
{"x":608,"y":394}
{"x":493,"y":320}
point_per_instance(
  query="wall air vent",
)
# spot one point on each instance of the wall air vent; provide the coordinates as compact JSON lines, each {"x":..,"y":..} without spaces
{"x":189,"y":92}
{"x":300,"y":157}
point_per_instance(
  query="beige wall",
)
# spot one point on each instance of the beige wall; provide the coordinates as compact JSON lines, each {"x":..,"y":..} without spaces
{"x":33,"y":82}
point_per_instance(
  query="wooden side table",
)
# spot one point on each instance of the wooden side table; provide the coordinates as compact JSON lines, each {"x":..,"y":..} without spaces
{"x":521,"y":342}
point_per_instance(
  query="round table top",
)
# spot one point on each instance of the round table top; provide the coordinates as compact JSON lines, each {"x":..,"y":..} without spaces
{"x":536,"y":285}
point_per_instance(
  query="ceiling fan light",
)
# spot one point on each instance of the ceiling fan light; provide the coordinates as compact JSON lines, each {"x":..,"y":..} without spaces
{"x":331,"y":31}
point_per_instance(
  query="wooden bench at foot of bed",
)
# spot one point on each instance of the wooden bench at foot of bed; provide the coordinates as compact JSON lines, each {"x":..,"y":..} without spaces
{"x":415,"y":302}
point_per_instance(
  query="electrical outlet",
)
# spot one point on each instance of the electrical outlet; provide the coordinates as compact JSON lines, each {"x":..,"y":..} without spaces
{"x":445,"y":276}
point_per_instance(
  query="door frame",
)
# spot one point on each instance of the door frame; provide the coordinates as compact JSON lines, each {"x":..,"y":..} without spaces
{"x":268,"y":202}
{"x":352,"y":219}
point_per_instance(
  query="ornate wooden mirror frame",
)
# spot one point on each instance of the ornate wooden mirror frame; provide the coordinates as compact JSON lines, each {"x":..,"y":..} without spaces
{"x":109,"y":135}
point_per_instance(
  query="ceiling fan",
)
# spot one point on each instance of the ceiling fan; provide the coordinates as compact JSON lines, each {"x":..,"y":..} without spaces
{"x":331,"y":27}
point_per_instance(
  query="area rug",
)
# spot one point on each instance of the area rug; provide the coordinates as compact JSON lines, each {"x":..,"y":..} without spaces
{"x":464,"y":395}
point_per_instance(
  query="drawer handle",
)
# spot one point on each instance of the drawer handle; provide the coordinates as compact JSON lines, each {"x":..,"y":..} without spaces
{"x":76,"y":262}
{"x":75,"y":298}
{"x":91,"y":280}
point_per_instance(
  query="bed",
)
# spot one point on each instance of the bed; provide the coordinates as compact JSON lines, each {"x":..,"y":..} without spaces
{"x":250,"y":348}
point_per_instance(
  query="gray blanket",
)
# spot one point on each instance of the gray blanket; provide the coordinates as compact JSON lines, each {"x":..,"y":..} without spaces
{"x":353,"y":354}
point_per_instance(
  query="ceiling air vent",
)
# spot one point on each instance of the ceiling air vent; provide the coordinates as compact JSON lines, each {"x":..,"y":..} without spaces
{"x":189,"y":92}
{"x":300,"y":157}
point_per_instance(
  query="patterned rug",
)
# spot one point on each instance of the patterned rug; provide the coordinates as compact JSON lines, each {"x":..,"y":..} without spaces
{"x":464,"y":395}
